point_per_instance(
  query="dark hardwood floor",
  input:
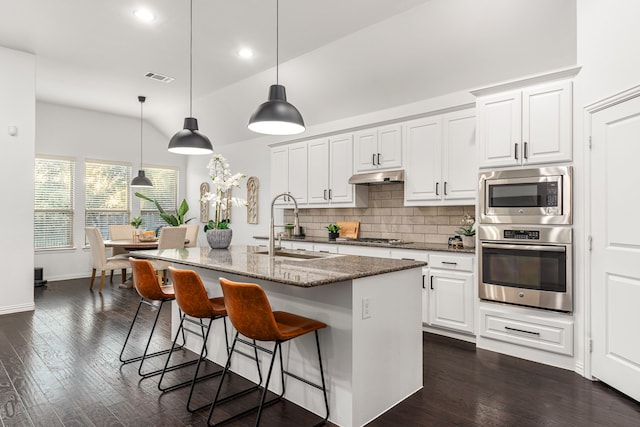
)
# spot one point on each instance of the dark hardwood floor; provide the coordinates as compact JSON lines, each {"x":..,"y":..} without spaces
{"x":59,"y":367}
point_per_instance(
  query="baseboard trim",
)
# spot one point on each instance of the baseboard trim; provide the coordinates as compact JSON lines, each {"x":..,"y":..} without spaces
{"x":10,"y":309}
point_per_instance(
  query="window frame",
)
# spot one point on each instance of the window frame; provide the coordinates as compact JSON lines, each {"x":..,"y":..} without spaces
{"x":176,"y":170}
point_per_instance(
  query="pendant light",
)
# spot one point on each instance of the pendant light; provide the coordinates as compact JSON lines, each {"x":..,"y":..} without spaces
{"x":141,"y":180}
{"x":277,"y":116}
{"x":189,"y":140}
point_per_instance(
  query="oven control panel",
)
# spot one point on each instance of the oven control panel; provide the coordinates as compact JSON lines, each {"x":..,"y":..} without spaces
{"x":522,"y":234}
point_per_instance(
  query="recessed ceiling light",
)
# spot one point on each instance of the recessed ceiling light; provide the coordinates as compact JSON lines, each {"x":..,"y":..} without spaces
{"x":144,"y":15}
{"x":245,"y":53}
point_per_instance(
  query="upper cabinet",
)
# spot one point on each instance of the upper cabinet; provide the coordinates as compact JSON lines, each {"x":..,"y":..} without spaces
{"x":526,"y":126}
{"x":289,"y":172}
{"x":441,"y":162}
{"x":329,"y":168}
{"x":378,"y":148}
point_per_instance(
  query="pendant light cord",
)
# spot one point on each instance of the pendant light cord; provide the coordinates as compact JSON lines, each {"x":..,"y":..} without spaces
{"x":277,"y":39}
{"x":141,"y":104}
{"x":191,"y":58}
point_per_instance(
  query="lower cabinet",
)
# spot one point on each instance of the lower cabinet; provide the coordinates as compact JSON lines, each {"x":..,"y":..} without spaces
{"x":449,"y":293}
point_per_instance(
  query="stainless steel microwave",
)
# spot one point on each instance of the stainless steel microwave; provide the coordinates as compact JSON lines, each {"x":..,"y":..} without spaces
{"x":526,"y":196}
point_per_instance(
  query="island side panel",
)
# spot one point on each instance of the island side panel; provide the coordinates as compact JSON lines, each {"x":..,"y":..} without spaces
{"x":387,"y":341}
{"x":331,"y":304}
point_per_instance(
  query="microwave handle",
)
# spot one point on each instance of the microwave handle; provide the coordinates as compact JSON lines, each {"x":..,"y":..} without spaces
{"x":525,"y":247}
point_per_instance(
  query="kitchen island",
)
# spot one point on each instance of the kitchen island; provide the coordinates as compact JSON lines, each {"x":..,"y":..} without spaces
{"x":372,"y":348}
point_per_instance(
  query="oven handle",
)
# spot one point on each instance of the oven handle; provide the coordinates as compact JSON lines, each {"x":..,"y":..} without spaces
{"x":525,"y":247}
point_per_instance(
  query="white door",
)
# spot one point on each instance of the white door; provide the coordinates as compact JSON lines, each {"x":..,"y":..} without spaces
{"x":451,"y":300}
{"x":298,"y":172}
{"x":615,"y":255}
{"x":279,"y":171}
{"x":366,"y":150}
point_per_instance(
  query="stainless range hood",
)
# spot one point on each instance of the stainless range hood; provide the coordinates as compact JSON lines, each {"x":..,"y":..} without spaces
{"x":383,"y":177}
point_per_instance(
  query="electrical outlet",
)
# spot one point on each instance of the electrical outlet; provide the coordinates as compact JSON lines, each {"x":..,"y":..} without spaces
{"x":366,"y":307}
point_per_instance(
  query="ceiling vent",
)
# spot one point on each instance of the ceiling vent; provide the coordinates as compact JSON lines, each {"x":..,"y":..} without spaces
{"x":159,"y":77}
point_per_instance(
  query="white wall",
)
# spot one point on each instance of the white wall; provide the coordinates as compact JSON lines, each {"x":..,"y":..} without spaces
{"x":83,"y":134}
{"x":607,"y":38}
{"x":17,"y":108}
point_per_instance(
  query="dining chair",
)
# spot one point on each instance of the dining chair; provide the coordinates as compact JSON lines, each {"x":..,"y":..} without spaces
{"x":192,"y":235}
{"x":170,"y":238}
{"x":99,"y":258}
{"x":120,"y":232}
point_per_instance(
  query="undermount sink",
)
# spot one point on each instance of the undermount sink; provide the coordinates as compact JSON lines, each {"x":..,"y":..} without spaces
{"x":301,"y":255}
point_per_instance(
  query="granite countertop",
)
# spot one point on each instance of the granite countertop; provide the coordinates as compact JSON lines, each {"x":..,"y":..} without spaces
{"x":416,"y":246}
{"x":247,"y":261}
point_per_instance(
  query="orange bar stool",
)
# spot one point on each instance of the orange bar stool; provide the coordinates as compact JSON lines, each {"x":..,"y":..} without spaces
{"x":150,"y":291}
{"x":250,"y":313}
{"x":194,"y":303}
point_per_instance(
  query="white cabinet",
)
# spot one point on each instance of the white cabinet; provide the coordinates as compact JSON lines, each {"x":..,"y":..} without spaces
{"x":330,"y":164}
{"x":451,"y":292}
{"x":441,"y":163}
{"x":289,"y":171}
{"x":378,"y":148}
{"x":525,"y":126}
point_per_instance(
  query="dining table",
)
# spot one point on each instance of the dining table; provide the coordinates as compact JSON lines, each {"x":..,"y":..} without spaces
{"x":133,"y":245}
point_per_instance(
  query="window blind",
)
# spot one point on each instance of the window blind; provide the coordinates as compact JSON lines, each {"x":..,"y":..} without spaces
{"x":164,"y":190}
{"x":106,"y":195}
{"x":54,"y":203}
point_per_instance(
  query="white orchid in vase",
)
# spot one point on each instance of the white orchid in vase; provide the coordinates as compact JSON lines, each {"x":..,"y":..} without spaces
{"x":221,"y":199}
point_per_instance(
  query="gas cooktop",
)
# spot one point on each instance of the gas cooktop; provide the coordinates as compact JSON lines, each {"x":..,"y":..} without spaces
{"x":372,"y":240}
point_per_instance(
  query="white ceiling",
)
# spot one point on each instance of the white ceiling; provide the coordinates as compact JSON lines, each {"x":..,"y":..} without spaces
{"x":338,"y":58}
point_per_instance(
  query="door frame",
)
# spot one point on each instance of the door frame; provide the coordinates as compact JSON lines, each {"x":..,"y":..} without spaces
{"x":588,"y":113}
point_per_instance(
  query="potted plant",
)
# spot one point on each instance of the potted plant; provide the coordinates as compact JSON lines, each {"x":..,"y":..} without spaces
{"x":217,"y":230}
{"x":333,"y":231}
{"x":173,"y":220}
{"x":136,"y":221}
{"x":288,"y":228}
{"x":468,"y":231}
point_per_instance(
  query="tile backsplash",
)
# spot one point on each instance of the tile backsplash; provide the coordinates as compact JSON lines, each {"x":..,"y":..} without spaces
{"x":387,"y":217}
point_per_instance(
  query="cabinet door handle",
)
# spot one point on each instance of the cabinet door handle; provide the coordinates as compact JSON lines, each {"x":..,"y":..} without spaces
{"x":378,"y":159}
{"x":431,"y":282}
{"x":423,"y":287}
{"x":521,"y":330}
{"x":525,"y":155}
{"x":445,"y":188}
{"x":330,"y":194}
{"x":437,"y":188}
{"x":373,"y":159}
{"x":325,"y":195}
{"x":515,"y":151}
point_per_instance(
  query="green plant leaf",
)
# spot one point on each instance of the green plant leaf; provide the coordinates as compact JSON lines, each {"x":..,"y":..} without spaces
{"x":142,"y":196}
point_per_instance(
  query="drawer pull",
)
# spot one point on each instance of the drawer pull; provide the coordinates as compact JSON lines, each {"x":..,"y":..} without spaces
{"x":408,"y":259}
{"x":522,"y":330}
{"x":449,"y":263}
{"x":324,"y":252}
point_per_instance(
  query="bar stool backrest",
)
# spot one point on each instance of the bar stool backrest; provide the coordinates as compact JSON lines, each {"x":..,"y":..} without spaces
{"x":146,"y":281}
{"x":249,"y":310}
{"x":191,"y":295}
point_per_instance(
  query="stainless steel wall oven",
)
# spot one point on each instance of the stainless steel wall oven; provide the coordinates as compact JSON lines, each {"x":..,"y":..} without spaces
{"x":529,"y":266}
{"x":525,"y":235}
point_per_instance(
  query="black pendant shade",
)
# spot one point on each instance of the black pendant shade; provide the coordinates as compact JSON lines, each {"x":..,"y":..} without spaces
{"x":277,"y":116}
{"x":189,"y":140}
{"x":141,"y":180}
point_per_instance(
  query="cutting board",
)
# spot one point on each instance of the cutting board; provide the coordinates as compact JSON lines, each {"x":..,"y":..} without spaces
{"x":349,"y":229}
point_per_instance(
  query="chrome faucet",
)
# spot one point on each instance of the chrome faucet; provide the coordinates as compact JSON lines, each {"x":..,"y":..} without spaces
{"x":296,"y":226}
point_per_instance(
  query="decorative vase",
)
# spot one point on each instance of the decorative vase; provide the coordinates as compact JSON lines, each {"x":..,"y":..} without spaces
{"x":219,"y":239}
{"x":469,"y":242}
{"x":333,"y":236}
